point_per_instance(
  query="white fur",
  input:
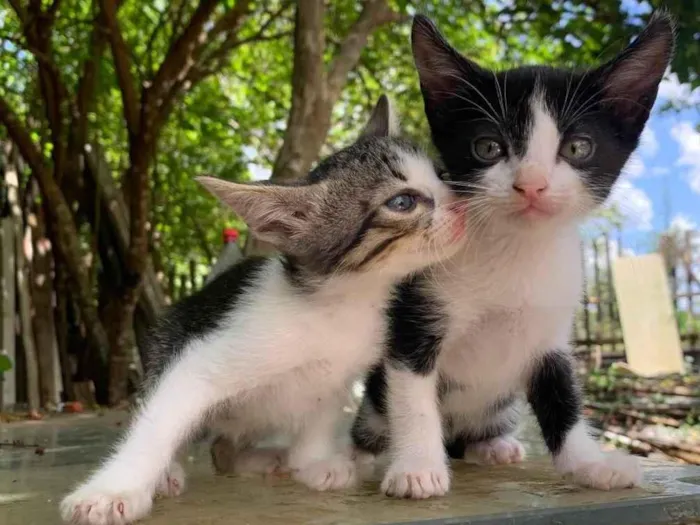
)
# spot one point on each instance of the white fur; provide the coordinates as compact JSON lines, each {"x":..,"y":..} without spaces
{"x":582,"y":460}
{"x":498,"y":451}
{"x":282,"y":361}
{"x":419,"y":469}
{"x":511,"y":293}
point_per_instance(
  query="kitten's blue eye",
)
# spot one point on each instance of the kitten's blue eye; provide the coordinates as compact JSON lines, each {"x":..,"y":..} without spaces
{"x":577,"y":149}
{"x":402,"y":203}
{"x":488,"y":149}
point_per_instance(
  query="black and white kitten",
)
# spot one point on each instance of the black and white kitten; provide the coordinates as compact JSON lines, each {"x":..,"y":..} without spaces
{"x":273,"y":344}
{"x":534,"y":150}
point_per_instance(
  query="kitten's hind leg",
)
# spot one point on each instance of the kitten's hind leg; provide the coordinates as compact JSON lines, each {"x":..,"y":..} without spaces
{"x":554,"y":395}
{"x":500,"y":450}
{"x":315,"y":458}
{"x":489,"y":439}
{"x":230,"y":456}
{"x":122,"y":490}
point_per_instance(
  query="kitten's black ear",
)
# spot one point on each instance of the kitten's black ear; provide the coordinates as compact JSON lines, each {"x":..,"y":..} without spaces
{"x":383,"y":121}
{"x":440,"y":66}
{"x":276,"y":214}
{"x":631,"y":80}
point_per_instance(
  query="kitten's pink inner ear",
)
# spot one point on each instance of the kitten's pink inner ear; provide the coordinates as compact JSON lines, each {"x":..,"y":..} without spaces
{"x":437,"y":66}
{"x":636,"y":73}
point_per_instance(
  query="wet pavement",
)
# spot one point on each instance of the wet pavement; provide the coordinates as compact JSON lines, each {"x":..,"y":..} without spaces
{"x":528,"y":494}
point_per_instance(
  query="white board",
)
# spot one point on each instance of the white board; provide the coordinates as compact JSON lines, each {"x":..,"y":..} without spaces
{"x":646,"y":311}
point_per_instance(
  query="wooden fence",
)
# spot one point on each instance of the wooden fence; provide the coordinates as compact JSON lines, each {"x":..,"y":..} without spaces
{"x":597,"y":329}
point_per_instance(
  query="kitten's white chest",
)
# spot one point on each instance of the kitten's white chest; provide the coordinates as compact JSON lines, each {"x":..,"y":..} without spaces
{"x":507,"y":304}
{"x":309,"y":350}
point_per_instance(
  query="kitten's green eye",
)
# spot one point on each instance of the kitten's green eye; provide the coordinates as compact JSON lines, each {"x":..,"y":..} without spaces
{"x":577,"y":149}
{"x":402,"y":203}
{"x":488,"y":149}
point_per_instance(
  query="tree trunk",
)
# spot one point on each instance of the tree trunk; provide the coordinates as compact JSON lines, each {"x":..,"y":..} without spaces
{"x":121,"y":311}
{"x":61,"y":325}
{"x":43,"y":319}
{"x":119,"y":319}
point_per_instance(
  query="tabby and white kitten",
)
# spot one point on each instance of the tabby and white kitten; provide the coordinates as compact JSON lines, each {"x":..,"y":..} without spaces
{"x":273,"y":344}
{"x":534,"y":150}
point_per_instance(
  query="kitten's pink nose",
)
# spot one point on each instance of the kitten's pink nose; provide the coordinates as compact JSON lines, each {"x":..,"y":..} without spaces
{"x":530,"y":183}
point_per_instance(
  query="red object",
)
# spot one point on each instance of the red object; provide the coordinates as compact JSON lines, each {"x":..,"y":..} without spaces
{"x":230,"y":235}
{"x":75,"y":407}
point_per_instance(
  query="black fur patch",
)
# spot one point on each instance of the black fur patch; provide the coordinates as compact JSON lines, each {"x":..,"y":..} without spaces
{"x":375,"y":388}
{"x":196,"y":315}
{"x":416,"y":327}
{"x":366,"y":439}
{"x":554,"y":395}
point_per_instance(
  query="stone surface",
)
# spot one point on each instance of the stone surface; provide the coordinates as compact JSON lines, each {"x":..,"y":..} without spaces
{"x":530,"y":493}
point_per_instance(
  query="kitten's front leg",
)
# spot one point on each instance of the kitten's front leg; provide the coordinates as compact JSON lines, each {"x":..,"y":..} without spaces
{"x":314,"y":457}
{"x":554,"y":394}
{"x":122,"y":490}
{"x":418,"y":467}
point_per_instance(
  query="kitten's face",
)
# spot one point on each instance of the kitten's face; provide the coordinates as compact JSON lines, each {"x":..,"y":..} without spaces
{"x":375,"y":206}
{"x":537,"y":145}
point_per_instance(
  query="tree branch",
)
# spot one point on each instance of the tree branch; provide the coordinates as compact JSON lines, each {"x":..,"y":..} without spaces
{"x":186,"y":57}
{"x":177,"y":62}
{"x":122,"y":65}
{"x":374,"y":13}
{"x":19,"y":10}
{"x":20,"y":136}
{"x":217,"y":59}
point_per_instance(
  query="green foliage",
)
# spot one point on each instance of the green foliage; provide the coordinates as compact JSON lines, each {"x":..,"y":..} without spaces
{"x":235,"y":120}
{"x":5,"y":363}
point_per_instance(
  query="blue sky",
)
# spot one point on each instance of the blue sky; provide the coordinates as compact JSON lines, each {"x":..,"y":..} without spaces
{"x":660,"y":187}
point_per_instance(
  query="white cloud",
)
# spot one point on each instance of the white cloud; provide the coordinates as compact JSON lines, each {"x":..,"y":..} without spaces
{"x":672,"y":90}
{"x":633,"y":203}
{"x":649,"y":144}
{"x":689,"y":143}
{"x":634,"y":167}
{"x":682,"y":223}
{"x":659,"y":171}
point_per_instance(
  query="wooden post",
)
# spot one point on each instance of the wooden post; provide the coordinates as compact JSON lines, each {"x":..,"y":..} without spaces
{"x":23,"y":254}
{"x":7,"y":308}
{"x":43,"y":318}
{"x":598,"y":305}
{"x":7,"y":290}
{"x":610,"y":294}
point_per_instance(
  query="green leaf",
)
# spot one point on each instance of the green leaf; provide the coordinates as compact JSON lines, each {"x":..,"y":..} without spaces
{"x":5,"y":363}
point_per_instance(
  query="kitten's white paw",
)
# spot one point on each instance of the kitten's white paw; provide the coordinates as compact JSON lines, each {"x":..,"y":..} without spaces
{"x":499,"y":451}
{"x":172,"y":481}
{"x":615,"y":470}
{"x":415,"y":480}
{"x":260,"y":461}
{"x":335,"y":473}
{"x":95,"y":504}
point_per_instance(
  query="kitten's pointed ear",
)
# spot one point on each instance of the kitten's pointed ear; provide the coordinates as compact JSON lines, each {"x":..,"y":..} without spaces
{"x":631,"y":80}
{"x":383,"y":121}
{"x":440,"y":66}
{"x":276,"y":214}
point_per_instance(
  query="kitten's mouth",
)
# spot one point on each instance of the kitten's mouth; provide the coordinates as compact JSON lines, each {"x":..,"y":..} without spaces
{"x":536,"y":210}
